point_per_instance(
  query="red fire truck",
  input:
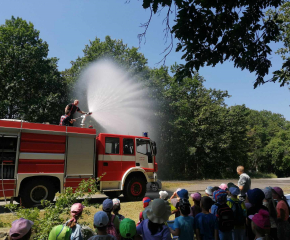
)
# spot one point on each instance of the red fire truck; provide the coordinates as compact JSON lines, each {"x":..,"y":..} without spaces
{"x":39,"y":160}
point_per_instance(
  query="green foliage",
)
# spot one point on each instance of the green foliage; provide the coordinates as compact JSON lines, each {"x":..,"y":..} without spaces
{"x":31,"y":87}
{"x":52,"y":213}
{"x":282,"y":20}
{"x":211,"y":32}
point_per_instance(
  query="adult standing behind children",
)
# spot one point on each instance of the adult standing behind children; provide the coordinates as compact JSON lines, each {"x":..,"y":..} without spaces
{"x":244,"y":182}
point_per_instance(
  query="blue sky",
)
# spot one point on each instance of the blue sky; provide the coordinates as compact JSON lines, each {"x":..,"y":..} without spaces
{"x":67,"y":26}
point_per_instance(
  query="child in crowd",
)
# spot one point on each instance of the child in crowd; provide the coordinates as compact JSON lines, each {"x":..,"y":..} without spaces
{"x":21,"y":229}
{"x":208,"y":191}
{"x":261,"y":225}
{"x":206,"y":224}
{"x":113,"y":225}
{"x":270,"y":204}
{"x":223,"y":186}
{"x":224,"y":214}
{"x":240,"y":213}
{"x":184,"y":225}
{"x":117,"y":208}
{"x":143,"y":215}
{"x":76,"y":211}
{"x":255,"y":197}
{"x":174,"y":199}
{"x":182,"y":193}
{"x":101,"y":221}
{"x":195,"y":209}
{"x":283,"y":226}
{"x":154,"y":228}
{"x":163,"y":195}
{"x":128,"y":229}
{"x":60,"y":232}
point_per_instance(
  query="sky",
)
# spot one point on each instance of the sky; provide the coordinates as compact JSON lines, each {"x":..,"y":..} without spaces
{"x":68,"y":25}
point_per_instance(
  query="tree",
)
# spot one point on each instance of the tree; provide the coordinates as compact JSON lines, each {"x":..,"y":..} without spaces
{"x":283,"y":20}
{"x":31,"y":86}
{"x":211,"y":32}
{"x":196,"y":130}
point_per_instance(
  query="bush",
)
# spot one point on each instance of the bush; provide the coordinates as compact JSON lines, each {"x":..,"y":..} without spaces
{"x":52,"y":213}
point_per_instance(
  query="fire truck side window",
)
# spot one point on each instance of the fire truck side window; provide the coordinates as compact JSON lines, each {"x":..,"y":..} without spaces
{"x":112,"y":145}
{"x":128,"y":146}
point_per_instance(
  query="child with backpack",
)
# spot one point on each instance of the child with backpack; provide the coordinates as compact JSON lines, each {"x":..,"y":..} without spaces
{"x":117,"y":208}
{"x":240,"y":213}
{"x":113,"y":225}
{"x":206,"y":224}
{"x":76,"y":212}
{"x":101,"y":221}
{"x":224,"y":215}
{"x":184,"y":225}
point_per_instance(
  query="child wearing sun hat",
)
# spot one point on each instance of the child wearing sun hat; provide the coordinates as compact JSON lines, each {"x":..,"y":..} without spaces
{"x":154,"y":227}
{"x":195,"y":209}
{"x":283,"y":226}
{"x":261,"y":224}
{"x":117,"y":208}
{"x":21,"y":229}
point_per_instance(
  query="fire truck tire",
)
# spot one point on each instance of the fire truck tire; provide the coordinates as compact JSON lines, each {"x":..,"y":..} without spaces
{"x":113,"y":194}
{"x":135,"y":189}
{"x":36,"y":190}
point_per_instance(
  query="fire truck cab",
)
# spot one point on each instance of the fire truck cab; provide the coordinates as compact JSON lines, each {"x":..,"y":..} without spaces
{"x":39,"y":160}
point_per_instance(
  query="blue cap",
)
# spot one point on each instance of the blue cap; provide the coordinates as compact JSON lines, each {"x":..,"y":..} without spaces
{"x":183,"y":193}
{"x":234,"y":191}
{"x":107,"y":205}
{"x":256,"y":196}
{"x":101,"y":219}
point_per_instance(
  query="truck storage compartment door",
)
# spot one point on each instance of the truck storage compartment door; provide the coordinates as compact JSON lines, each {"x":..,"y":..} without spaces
{"x":80,"y":156}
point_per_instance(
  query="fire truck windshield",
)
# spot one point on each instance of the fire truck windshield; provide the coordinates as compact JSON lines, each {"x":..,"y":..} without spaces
{"x":144,"y":147}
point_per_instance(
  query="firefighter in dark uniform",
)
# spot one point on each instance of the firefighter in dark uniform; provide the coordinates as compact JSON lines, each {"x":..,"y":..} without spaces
{"x":66,"y":120}
{"x":72,"y":108}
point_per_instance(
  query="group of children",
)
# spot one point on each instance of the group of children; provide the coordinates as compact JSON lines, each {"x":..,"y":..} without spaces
{"x":218,"y":215}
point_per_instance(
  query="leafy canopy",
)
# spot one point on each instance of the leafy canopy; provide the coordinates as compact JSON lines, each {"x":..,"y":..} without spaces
{"x":31,"y":87}
{"x":211,"y":32}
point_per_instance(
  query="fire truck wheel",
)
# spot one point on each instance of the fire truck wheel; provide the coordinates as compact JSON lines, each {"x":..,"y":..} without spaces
{"x":135,"y":189}
{"x":36,"y":190}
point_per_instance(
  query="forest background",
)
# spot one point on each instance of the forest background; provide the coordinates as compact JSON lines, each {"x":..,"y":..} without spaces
{"x":199,"y":136}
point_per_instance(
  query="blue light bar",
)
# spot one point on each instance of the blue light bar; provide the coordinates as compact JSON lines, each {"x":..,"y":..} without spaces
{"x":145,"y":134}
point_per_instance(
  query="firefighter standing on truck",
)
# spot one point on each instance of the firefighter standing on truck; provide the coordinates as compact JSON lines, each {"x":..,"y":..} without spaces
{"x":72,"y":108}
{"x":66,"y":120}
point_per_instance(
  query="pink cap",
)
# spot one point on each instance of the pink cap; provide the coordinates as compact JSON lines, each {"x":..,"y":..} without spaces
{"x":279,"y":191}
{"x":223,"y":186}
{"x":261,"y":219}
{"x":196,"y":196}
{"x":20,"y":228}
{"x":76,"y":209}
